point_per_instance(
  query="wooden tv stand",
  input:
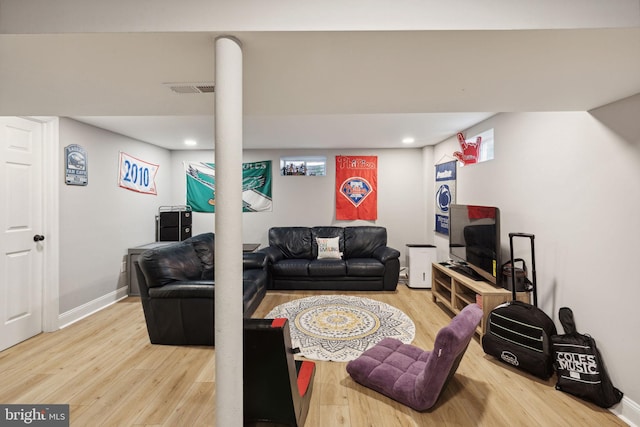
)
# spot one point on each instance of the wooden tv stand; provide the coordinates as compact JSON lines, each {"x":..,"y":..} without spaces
{"x":455,"y":291}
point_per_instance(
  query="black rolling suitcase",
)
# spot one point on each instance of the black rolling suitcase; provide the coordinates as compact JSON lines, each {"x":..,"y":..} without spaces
{"x":519,"y":333}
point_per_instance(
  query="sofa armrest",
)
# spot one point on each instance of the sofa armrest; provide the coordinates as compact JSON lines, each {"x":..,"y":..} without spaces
{"x":186,"y":289}
{"x":385,"y":253}
{"x":254,"y":260}
{"x":272,"y":254}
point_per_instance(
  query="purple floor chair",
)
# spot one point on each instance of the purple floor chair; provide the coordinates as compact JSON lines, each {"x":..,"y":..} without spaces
{"x":410,"y":375}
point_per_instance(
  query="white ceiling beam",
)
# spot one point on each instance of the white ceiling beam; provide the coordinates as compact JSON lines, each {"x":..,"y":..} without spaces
{"x":77,"y":16}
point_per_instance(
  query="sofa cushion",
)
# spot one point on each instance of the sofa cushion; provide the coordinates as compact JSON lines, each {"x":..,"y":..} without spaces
{"x":169,"y":263}
{"x":325,"y":232}
{"x":328,"y":247}
{"x":362,"y":241}
{"x":203,"y":244}
{"x":293,"y":242}
{"x":291,"y":267}
{"x":327,"y":268}
{"x":364,"y":267}
{"x":208,"y":274}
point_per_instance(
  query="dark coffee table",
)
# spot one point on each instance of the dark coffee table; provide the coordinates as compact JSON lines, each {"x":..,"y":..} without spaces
{"x":250,"y":247}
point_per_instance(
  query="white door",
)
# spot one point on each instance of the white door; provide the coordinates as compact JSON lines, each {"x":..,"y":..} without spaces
{"x":21,"y":222}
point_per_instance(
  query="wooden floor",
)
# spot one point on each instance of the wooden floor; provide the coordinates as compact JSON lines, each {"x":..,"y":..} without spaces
{"x":105,"y":368}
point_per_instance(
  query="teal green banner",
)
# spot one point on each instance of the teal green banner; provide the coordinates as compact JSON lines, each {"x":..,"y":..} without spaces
{"x":256,"y":186}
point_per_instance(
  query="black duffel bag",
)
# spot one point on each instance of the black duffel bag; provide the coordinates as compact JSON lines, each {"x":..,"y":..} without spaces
{"x":579,"y":365}
{"x":509,"y":269}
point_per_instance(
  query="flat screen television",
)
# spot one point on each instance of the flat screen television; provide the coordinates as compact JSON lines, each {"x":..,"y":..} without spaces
{"x":474,"y":240}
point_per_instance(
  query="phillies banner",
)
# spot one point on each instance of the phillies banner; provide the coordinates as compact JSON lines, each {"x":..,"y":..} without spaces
{"x":356,"y":187}
{"x":445,"y":194}
{"x":256,"y":186}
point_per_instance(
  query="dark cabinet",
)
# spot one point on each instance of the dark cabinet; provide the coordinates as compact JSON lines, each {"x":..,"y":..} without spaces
{"x":173,"y":223}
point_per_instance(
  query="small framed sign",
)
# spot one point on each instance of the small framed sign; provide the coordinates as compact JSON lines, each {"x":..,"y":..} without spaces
{"x":76,"y":164}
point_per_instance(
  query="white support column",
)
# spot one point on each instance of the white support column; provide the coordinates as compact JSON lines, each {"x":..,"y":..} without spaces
{"x":228,"y":223}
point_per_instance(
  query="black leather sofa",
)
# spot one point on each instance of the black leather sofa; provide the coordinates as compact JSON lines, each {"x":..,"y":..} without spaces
{"x":177,"y":290}
{"x":365,"y":262}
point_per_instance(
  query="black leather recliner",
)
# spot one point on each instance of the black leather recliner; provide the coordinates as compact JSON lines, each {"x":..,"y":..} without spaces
{"x":177,"y":290}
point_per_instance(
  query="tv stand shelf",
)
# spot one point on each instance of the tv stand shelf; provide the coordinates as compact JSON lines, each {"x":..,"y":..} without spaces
{"x":455,"y":291}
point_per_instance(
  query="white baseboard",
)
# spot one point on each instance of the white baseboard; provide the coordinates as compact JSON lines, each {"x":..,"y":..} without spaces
{"x":69,"y":317}
{"x":628,"y":411}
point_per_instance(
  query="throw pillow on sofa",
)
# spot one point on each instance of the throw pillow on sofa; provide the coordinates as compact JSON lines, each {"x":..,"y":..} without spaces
{"x":329,"y":248}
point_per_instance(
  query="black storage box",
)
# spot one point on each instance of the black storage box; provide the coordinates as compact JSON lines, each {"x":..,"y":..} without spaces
{"x":173,"y":223}
{"x":174,"y":218}
{"x":170,"y":234}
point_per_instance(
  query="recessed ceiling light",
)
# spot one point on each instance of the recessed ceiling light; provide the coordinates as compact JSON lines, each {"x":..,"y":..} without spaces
{"x":190,"y":142}
{"x":408,"y":140}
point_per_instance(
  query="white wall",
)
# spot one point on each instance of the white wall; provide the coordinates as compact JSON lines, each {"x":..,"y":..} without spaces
{"x":100,"y":221}
{"x":309,"y":201}
{"x":572,"y":182}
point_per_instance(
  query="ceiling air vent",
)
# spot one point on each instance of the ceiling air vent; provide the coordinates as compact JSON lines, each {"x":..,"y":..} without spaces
{"x":191,"y":87}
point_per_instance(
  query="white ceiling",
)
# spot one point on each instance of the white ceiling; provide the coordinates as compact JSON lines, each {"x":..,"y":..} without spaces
{"x":290,"y":132}
{"x":317,"y":89}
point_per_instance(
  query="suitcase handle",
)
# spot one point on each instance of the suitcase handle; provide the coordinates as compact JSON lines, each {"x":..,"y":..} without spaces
{"x":531,"y":236}
{"x":533,"y":265}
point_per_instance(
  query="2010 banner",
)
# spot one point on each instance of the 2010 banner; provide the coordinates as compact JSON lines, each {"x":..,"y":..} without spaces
{"x":137,"y":175}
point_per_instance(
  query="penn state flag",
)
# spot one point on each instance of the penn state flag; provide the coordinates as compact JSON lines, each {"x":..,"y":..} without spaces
{"x":356,"y":187}
{"x":445,"y":194}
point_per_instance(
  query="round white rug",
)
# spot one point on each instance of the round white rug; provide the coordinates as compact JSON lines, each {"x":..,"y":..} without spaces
{"x":340,"y":328}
